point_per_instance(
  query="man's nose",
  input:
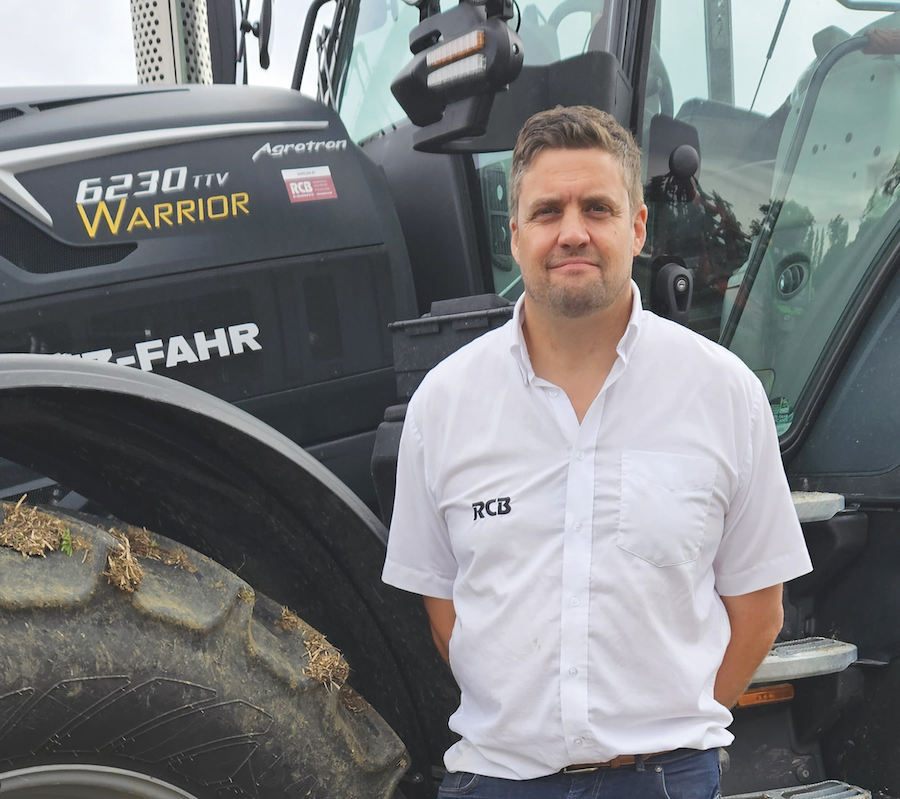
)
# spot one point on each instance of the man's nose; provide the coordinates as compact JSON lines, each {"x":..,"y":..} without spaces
{"x":573,"y":231}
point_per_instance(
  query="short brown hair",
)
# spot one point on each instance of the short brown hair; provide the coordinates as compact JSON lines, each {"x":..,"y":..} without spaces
{"x":578,"y":127}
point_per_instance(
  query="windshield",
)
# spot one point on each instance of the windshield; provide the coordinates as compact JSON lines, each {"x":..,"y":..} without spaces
{"x":550,"y":30}
{"x":829,"y":217}
{"x":380,"y":50}
{"x":795,"y":198}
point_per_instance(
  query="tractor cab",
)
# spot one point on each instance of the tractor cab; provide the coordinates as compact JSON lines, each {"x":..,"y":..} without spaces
{"x":770,"y":132}
{"x":768,"y":153}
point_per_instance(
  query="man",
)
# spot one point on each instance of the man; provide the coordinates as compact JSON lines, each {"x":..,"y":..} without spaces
{"x":592,"y":503}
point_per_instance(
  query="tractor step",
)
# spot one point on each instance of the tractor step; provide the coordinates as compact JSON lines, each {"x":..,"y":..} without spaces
{"x":830,"y":789}
{"x":805,"y":657}
{"x":816,"y":506}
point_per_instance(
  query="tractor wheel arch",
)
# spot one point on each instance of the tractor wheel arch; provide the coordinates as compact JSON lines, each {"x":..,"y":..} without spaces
{"x":162,"y":455}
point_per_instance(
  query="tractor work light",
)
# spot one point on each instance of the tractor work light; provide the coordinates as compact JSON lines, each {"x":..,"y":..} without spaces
{"x":455,"y":50}
{"x":461,"y":59}
{"x":472,"y":67}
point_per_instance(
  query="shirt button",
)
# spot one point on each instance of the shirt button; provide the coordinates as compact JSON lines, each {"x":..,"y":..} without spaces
{"x":577,"y":526}
{"x":573,"y":601}
{"x":579,"y":455}
{"x":554,"y":392}
{"x":573,"y":671}
{"x":577,"y":742}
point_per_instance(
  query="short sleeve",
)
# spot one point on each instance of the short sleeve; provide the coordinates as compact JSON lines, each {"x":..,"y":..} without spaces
{"x":762,"y":542}
{"x":419,"y":556}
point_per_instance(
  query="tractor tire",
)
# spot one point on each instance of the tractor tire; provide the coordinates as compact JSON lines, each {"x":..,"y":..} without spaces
{"x":190,"y":686}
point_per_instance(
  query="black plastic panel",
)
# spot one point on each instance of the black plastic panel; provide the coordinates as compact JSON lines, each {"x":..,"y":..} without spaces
{"x":593,"y":78}
{"x":292,"y":347}
{"x":769,"y":729}
{"x":861,"y":604}
{"x":853,"y":447}
{"x":433,"y":194}
{"x":862,"y":747}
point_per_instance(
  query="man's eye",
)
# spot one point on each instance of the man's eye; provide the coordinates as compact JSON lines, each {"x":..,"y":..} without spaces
{"x":600,"y":209}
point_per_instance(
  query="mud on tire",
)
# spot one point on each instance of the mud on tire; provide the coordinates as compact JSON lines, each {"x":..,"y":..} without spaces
{"x":189,"y":681}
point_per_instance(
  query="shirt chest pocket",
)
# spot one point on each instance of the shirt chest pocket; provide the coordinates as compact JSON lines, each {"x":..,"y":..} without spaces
{"x":664,"y":506}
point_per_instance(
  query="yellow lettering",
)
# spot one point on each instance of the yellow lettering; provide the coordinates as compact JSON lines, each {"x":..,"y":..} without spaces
{"x":200,"y":207}
{"x":102,"y":212}
{"x":139,"y":218}
{"x":239,"y":200}
{"x":185,"y":210}
{"x":211,"y":211}
{"x":162,"y":212}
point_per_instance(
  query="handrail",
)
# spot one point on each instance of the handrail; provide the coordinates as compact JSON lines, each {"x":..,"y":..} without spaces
{"x":784,"y":181}
{"x":306,"y":41}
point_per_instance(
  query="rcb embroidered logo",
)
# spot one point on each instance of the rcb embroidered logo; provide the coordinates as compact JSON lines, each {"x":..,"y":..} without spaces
{"x":493,"y":507}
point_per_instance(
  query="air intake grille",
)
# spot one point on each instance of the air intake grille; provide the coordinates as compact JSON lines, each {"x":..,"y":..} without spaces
{"x":196,"y":60}
{"x":171,"y":41}
{"x":153,"y":58}
{"x":9,"y":113}
{"x":32,"y":250}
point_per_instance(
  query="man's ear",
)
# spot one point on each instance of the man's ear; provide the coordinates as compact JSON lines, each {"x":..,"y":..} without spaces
{"x":640,"y":230}
{"x":514,"y":239}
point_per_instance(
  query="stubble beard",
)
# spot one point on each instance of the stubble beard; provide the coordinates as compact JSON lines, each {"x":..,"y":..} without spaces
{"x":576,"y":298}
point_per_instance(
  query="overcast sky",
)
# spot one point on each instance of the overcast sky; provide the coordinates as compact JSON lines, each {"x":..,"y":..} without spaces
{"x":46,"y":42}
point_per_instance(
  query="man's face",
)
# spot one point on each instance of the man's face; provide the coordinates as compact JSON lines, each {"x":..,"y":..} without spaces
{"x":574,"y":235}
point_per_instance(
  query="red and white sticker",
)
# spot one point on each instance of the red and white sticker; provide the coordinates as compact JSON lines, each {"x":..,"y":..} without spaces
{"x":310,"y":183}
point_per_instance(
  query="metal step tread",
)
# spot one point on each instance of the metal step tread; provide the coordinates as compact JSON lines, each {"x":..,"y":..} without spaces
{"x":830,"y":789}
{"x":816,"y":506}
{"x":805,"y":657}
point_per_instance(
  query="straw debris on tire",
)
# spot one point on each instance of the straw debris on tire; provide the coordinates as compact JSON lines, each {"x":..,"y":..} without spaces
{"x":325,"y":663}
{"x":123,"y":568}
{"x":188,"y":679}
{"x":34,"y":533}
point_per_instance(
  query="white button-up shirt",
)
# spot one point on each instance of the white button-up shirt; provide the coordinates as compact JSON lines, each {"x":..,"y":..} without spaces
{"x":585,"y":561}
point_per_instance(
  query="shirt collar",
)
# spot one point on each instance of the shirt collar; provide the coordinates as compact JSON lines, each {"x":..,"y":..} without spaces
{"x":625,"y":347}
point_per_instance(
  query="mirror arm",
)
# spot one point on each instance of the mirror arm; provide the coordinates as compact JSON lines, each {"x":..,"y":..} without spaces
{"x":306,"y":41}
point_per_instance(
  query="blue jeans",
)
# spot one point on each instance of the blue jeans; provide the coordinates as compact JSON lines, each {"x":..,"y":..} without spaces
{"x":682,"y":774}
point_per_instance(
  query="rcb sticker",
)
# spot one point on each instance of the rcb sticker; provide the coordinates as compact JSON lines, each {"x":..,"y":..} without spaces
{"x":309,"y":183}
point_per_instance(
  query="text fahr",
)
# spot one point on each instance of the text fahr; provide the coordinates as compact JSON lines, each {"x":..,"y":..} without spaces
{"x":177,"y":350}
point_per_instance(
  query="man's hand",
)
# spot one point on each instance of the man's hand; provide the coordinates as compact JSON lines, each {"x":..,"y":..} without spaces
{"x":442,"y":616}
{"x":756,"y":620}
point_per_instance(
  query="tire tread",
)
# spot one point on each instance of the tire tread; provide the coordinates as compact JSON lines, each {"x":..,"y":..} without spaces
{"x":186,"y":679}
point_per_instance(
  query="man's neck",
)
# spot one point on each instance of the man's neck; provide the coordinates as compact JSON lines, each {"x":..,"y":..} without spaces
{"x":576,"y":354}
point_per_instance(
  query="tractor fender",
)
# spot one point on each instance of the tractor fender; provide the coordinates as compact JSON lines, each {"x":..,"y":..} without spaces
{"x":165,"y":456}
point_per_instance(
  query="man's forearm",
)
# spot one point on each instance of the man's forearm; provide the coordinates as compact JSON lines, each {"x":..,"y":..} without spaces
{"x":442,"y":616}
{"x":756,"y":619}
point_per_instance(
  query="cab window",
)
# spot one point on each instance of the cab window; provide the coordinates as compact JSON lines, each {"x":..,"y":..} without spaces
{"x":798,"y":134}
